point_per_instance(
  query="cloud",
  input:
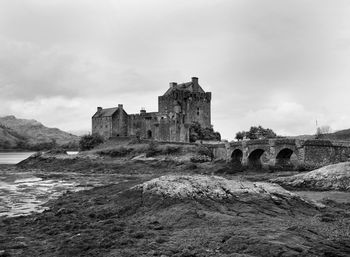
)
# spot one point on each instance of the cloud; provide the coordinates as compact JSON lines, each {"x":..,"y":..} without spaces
{"x":281,"y":64}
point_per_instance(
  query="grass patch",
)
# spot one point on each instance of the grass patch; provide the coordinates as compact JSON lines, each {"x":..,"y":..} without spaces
{"x":150,"y":150}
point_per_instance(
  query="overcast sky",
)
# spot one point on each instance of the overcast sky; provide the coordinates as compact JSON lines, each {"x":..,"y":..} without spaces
{"x":279,"y":64}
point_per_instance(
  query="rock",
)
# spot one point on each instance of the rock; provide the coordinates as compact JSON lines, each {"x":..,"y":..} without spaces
{"x":211,"y":187}
{"x":331,"y":177}
{"x":143,"y":158}
{"x":56,"y":151}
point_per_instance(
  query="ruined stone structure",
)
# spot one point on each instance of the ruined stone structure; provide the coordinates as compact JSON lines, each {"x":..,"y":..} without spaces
{"x":283,"y":153}
{"x":180,"y":105}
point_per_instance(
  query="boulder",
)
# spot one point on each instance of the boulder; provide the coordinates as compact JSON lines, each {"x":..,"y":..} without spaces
{"x":331,"y":177}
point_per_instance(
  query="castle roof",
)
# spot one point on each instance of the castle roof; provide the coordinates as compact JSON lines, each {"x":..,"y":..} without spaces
{"x":191,"y":86}
{"x":108,"y":112}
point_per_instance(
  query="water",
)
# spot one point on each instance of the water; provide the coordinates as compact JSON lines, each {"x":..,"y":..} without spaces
{"x":22,"y":193}
{"x":16,"y":157}
{"x":13,"y":157}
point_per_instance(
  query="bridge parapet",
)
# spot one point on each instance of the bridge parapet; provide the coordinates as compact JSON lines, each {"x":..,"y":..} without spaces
{"x":282,"y":141}
{"x":236,"y":144}
{"x":256,"y":142}
{"x":306,"y":154}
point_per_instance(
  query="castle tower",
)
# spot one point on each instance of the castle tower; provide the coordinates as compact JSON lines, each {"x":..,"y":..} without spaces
{"x":187,"y":101}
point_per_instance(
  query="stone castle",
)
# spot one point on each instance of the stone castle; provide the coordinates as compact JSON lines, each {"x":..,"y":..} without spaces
{"x":180,"y":106}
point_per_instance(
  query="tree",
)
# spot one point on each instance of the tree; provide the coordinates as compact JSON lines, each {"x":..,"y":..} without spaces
{"x":323,"y":130}
{"x":199,"y":133}
{"x":240,"y":135}
{"x":256,"y":133}
{"x":88,"y":142}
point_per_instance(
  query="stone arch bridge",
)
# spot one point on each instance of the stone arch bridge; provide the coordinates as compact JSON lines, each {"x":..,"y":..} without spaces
{"x":283,"y":153}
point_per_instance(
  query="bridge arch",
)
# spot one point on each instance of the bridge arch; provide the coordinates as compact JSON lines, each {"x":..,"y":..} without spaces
{"x":236,"y":158}
{"x":283,"y":159}
{"x":237,"y":155}
{"x":254,"y":158}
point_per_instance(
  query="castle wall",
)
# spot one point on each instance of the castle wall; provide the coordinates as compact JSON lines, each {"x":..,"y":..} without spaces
{"x":142,"y":124}
{"x":198,"y":109}
{"x":171,"y":130}
{"x":177,"y":109}
{"x":102,"y":126}
{"x":193,"y":106}
{"x":120,"y":124}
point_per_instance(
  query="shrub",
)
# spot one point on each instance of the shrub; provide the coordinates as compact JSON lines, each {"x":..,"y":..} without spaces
{"x":116,"y":152}
{"x":87,"y":142}
{"x":170,"y":149}
{"x":200,"y":158}
{"x":57,"y":151}
{"x":199,"y":133}
{"x":205,"y":151}
{"x":152,"y":149}
{"x":256,"y":133}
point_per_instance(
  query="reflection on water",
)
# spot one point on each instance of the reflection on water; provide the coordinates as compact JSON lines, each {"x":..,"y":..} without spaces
{"x":13,"y":157}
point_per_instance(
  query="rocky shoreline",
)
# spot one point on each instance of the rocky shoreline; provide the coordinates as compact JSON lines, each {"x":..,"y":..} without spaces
{"x":178,"y":209}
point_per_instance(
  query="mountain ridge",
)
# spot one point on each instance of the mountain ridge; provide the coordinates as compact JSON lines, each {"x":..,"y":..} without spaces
{"x":32,"y":135}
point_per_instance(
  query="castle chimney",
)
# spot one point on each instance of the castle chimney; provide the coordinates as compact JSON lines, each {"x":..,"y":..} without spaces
{"x":120,"y":106}
{"x":99,"y":109}
{"x":194,"y":80}
{"x":143,"y":110}
{"x":172,"y":84}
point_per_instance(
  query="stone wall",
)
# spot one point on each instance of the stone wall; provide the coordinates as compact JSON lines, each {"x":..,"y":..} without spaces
{"x":142,"y":124}
{"x":319,"y":153}
{"x":191,"y":106}
{"x":171,"y":130}
{"x":198,"y":109}
{"x":102,"y":126}
{"x":120,"y":123}
{"x":299,"y":154}
{"x":219,"y":150}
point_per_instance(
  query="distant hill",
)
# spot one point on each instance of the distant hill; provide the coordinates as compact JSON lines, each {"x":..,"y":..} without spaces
{"x":338,"y":135}
{"x":342,"y":135}
{"x":32,"y":135}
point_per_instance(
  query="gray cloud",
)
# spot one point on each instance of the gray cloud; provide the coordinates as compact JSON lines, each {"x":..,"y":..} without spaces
{"x":281,"y":64}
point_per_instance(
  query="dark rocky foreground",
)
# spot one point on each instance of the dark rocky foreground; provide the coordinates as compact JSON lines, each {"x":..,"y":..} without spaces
{"x":181,"y":216}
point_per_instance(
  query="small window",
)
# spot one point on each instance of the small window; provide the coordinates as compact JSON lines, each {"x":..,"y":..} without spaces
{"x":149,"y":134}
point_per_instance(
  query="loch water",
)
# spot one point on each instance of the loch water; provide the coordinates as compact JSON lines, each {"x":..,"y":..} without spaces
{"x":24,"y":192}
{"x":13,"y":157}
